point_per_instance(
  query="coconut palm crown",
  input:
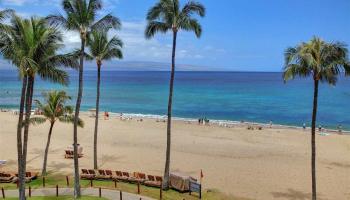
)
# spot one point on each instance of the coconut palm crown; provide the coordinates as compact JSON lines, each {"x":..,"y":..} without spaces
{"x":166,"y":16}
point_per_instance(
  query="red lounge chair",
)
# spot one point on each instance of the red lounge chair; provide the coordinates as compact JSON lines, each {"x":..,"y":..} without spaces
{"x":70,"y":154}
{"x":122,"y":176}
{"x":102,"y":175}
{"x":109,"y":173}
{"x":153,"y":181}
{"x":138,"y":177}
{"x":85,"y":174}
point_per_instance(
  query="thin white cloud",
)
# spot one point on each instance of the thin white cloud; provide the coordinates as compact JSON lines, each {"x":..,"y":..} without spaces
{"x":17,"y":2}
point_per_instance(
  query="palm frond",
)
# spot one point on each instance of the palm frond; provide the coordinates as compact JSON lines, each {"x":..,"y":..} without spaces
{"x":35,"y":121}
{"x":57,"y":20}
{"x":53,"y":74}
{"x":70,"y":119}
{"x":191,"y":25}
{"x":107,"y":22}
{"x":154,"y":27}
{"x":193,"y":7}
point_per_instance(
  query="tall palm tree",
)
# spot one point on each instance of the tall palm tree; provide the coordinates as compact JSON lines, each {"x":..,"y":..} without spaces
{"x":102,"y":49}
{"x":31,"y":45}
{"x":80,"y":17}
{"x":54,"y":110}
{"x":324,"y":62}
{"x":165,"y":16}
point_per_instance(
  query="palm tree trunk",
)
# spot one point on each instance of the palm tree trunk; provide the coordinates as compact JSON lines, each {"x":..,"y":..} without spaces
{"x":313,"y":142}
{"x":23,"y":165}
{"x":43,"y":173}
{"x":170,"y":102}
{"x":97,"y":112}
{"x":77,"y":193}
{"x":21,"y":188}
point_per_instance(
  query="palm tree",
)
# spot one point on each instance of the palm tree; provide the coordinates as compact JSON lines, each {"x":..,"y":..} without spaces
{"x":54,"y":110}
{"x":80,"y":17}
{"x":102,"y":49}
{"x":323,"y":62}
{"x":32,"y":47}
{"x":166,"y":16}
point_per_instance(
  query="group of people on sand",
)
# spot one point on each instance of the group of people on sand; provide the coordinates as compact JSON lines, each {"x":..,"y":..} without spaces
{"x":203,"y":121}
{"x":320,"y":128}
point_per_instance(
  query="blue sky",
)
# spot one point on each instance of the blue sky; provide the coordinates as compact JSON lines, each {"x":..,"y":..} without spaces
{"x":241,"y":35}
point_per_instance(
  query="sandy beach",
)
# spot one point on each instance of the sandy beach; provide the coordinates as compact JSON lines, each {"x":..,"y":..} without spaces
{"x":254,"y":164}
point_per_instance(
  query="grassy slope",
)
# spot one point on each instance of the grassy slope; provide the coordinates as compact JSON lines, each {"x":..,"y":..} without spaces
{"x":59,"y":180}
{"x":60,"y":198}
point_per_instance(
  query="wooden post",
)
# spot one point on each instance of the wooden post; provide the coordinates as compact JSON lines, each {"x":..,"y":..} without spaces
{"x":99,"y":192}
{"x":200,"y":191}
{"x":121,"y":195}
{"x":56,"y":190}
{"x":190,"y":192}
{"x":138,"y":187}
{"x":67,"y":180}
{"x":161,"y":191}
{"x":43,"y":181}
{"x":115,"y":183}
{"x":91,"y":183}
{"x":3,"y":193}
{"x":30,"y":191}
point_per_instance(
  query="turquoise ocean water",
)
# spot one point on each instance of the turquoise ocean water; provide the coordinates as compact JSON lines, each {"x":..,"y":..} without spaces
{"x":248,"y":96}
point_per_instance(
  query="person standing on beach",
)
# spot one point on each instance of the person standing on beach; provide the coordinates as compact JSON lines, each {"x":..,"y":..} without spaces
{"x":340,"y":128}
{"x":304,"y":126}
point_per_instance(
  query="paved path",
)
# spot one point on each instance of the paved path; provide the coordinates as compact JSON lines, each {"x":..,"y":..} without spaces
{"x":106,"y":193}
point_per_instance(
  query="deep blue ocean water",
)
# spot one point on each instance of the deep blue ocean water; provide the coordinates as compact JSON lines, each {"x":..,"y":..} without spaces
{"x":248,"y":96}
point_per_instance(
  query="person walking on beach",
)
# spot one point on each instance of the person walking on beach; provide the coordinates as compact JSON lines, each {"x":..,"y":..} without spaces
{"x":270,"y":123}
{"x":340,"y":128}
{"x":304,"y":126}
{"x":106,"y":115}
{"x":320,"y":128}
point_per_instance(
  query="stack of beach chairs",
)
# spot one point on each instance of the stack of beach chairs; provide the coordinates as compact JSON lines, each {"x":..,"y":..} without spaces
{"x":6,"y":177}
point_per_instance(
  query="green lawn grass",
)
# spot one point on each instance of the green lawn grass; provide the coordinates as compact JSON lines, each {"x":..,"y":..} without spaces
{"x":53,"y":180}
{"x":60,"y":198}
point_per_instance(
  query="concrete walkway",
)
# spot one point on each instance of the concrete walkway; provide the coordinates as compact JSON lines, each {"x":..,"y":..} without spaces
{"x":106,"y":193}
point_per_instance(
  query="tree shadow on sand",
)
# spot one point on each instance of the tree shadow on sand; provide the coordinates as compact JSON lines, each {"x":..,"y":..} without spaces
{"x":108,"y":158}
{"x":39,"y":153}
{"x":292,"y":194}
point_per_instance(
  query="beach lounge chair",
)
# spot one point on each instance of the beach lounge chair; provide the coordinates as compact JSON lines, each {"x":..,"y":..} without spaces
{"x":137,"y":177}
{"x":102,"y":175}
{"x":6,"y":177}
{"x":92,"y":172}
{"x":70,"y":154}
{"x":153,"y":181}
{"x":109,"y":173}
{"x":119,"y":176}
{"x":86,"y":175}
